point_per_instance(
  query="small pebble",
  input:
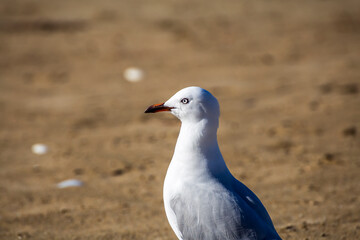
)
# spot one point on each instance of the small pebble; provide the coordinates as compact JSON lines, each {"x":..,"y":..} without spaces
{"x":78,"y":171}
{"x":291,"y":228}
{"x":351,"y":88}
{"x":118,"y":172}
{"x":350,"y":131}
{"x":329,"y":156}
{"x":133,"y":74}
{"x":70,"y":183}
{"x":39,"y":148}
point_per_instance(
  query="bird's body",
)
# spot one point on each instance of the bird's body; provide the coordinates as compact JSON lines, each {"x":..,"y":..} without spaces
{"x":203,"y":201}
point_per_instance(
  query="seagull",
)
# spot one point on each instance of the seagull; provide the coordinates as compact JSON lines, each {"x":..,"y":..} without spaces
{"x":202,"y":199}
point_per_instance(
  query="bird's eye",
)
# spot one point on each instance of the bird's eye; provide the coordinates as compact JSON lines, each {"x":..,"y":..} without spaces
{"x":185,"y":101}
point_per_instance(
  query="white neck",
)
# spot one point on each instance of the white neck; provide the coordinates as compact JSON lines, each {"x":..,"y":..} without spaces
{"x":197,"y":151}
{"x":195,"y":136}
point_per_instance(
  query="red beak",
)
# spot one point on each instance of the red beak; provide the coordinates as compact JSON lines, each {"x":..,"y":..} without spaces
{"x":157,"y":108}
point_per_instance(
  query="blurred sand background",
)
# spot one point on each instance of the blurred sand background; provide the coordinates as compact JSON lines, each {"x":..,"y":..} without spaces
{"x":286,"y":73}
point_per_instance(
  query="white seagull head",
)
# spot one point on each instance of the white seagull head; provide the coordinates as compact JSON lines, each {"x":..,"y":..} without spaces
{"x":191,"y":104}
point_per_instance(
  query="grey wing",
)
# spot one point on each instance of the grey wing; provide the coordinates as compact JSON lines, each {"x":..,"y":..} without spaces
{"x":211,"y":214}
{"x":254,"y":202}
{"x":256,"y":205}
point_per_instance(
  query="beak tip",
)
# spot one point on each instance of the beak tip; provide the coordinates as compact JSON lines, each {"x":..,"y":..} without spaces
{"x":148,"y":110}
{"x":157,"y":108}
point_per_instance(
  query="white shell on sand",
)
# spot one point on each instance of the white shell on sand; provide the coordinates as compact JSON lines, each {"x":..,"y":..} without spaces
{"x":39,"y":148}
{"x":133,"y":74}
{"x":70,"y":183}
